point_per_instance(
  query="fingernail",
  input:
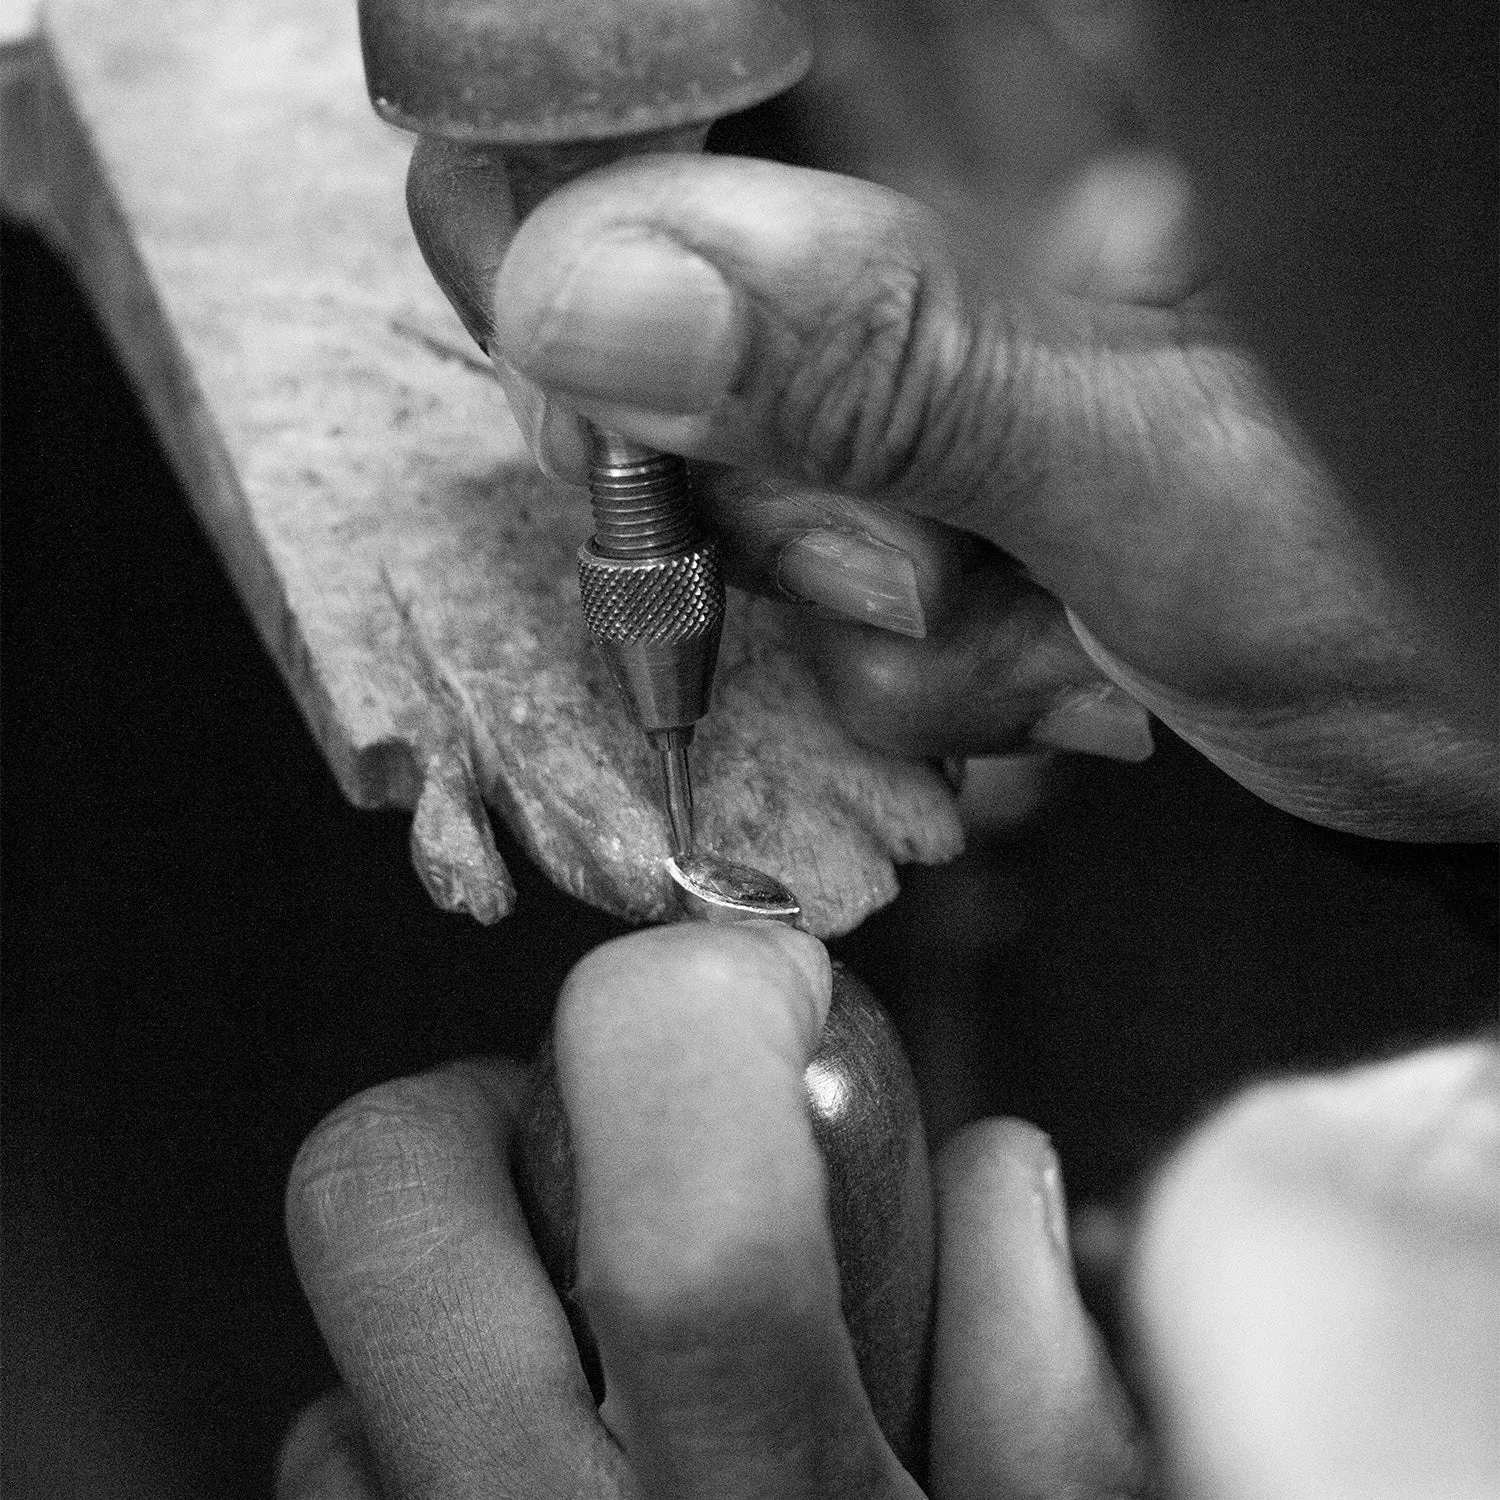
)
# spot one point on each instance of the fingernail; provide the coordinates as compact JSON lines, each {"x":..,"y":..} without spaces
{"x":564,"y":445}
{"x":554,"y":435}
{"x":1098,"y":720}
{"x":527,"y":404}
{"x":856,"y":578}
{"x":1055,"y":1208}
{"x":809,"y":955}
{"x":639,"y":322}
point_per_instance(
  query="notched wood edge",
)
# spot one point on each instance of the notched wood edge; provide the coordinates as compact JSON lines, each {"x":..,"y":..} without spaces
{"x":452,"y":843}
{"x":53,"y":181}
{"x":453,"y":846}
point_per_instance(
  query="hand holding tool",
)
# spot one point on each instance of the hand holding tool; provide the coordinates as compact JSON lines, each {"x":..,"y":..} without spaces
{"x":559,"y":87}
{"x":866,"y":1120}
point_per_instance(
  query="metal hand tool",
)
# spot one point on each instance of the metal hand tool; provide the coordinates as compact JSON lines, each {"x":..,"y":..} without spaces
{"x":558,"y":87}
{"x":562,"y":86}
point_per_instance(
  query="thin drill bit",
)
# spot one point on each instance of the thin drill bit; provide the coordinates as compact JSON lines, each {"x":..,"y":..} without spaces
{"x":679,"y":783}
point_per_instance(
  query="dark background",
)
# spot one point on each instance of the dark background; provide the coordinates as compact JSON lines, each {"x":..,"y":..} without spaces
{"x":205,"y":949}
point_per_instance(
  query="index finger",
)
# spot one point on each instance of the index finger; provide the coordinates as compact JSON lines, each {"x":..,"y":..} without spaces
{"x":417,"y":1262}
{"x":705,"y":1259}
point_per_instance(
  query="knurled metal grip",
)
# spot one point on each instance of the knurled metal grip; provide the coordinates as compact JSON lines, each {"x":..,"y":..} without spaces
{"x":653,"y":598}
{"x":657,"y":621}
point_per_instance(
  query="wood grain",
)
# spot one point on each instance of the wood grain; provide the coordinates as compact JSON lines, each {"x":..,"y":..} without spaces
{"x":235,"y":212}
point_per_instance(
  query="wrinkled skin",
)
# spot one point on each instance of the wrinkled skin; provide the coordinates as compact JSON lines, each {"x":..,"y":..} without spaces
{"x":1314,"y":1293}
{"x":1111,"y":342}
{"x":705,"y":1267}
{"x":1054,"y":394}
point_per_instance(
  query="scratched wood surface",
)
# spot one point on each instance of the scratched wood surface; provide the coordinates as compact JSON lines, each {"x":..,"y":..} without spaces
{"x":235,"y":211}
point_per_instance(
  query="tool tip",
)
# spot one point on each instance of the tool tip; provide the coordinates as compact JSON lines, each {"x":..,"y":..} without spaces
{"x":674,"y":763}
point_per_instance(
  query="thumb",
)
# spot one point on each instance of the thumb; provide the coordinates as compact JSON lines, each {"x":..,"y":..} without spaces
{"x":755,"y":313}
{"x":1133,"y":458}
{"x":705,"y":1258}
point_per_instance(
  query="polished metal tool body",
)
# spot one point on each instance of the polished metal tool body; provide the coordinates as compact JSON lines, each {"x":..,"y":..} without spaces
{"x":560,"y":87}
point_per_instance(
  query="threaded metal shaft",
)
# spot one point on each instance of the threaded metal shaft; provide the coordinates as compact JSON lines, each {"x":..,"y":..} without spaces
{"x":642,"y":500}
{"x":653,"y":598}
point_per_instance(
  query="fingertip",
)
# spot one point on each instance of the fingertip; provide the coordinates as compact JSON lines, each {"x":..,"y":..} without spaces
{"x":632,"y":317}
{"x":992,"y":1153}
{"x":701,"y":965}
{"x":1022,"y":1389}
{"x":556,"y":435}
{"x":376,"y":1175}
{"x":680,"y":1057}
{"x":1003,"y":1169}
{"x":808,"y":955}
{"x":325,"y":1456}
{"x":705,"y":1258}
{"x":855,"y":577}
{"x":758,"y":308}
{"x":1000,"y":656}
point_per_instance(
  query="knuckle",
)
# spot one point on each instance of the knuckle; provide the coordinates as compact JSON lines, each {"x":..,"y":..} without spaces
{"x":894,"y":391}
{"x":858,"y":380}
{"x":877,"y":683}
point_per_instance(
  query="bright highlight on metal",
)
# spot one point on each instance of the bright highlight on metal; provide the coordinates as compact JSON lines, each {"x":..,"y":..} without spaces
{"x":713,"y":889}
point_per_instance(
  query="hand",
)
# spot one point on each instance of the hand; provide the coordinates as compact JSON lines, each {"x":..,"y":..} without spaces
{"x":980,"y":429}
{"x":705,"y":1264}
{"x":1314,"y":1287}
